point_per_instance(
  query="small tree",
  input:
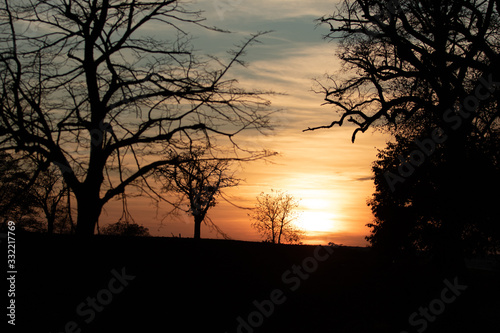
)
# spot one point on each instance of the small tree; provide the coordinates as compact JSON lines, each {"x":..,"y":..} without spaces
{"x":274,"y":215}
{"x":50,"y":197}
{"x":33,"y":194}
{"x":16,"y":195}
{"x":199,"y":181}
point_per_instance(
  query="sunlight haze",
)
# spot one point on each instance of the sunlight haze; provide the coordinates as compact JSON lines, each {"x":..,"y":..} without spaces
{"x":329,"y":174}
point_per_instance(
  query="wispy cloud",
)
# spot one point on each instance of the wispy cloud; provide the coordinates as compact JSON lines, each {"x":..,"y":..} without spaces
{"x":252,"y":12}
{"x":320,"y":165}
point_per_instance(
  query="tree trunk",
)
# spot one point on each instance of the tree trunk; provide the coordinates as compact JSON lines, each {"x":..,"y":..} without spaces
{"x":281,"y":231}
{"x":197,"y":227}
{"x":273,"y":237}
{"x":50,"y":225}
{"x":89,"y":210}
{"x":70,"y":217}
{"x":88,"y":194}
{"x":50,"y":220}
{"x":51,"y":217}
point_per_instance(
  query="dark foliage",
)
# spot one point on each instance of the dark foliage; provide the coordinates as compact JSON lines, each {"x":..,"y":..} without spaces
{"x":125,"y":229}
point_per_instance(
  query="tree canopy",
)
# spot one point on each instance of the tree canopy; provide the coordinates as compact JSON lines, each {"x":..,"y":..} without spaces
{"x":198,"y":183}
{"x":427,"y":72}
{"x":402,"y":59}
{"x":274,"y":217}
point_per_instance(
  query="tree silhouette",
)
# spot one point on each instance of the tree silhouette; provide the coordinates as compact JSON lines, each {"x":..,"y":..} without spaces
{"x":16,"y":196}
{"x":412,"y":58}
{"x":83,"y":88}
{"x":33,"y":195}
{"x":274,"y":215}
{"x":51,"y":197}
{"x":410,"y":219}
{"x":199,"y":181}
{"x":121,"y":228}
{"x":435,"y":64}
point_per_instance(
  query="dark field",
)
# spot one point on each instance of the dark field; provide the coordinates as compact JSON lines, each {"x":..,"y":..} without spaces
{"x":179,"y":285}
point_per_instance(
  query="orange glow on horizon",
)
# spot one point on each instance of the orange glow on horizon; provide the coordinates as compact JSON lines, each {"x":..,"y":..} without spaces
{"x":323,"y":169}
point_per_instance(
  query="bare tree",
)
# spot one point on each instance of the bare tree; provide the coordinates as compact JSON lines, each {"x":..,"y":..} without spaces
{"x":33,"y":194}
{"x":49,"y":196}
{"x":414,"y":57}
{"x":16,"y":196}
{"x":84,"y":88}
{"x":274,"y":216}
{"x":199,"y":181}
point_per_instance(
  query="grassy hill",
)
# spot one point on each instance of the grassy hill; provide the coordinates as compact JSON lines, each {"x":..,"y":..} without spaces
{"x":179,"y":285}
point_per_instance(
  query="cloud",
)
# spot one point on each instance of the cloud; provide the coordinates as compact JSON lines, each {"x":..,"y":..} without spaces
{"x":247,"y":12}
{"x":363,"y":179}
{"x":322,"y":164}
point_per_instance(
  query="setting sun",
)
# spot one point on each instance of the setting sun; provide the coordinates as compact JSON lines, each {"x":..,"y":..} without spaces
{"x":317,"y":212}
{"x":317,"y":221}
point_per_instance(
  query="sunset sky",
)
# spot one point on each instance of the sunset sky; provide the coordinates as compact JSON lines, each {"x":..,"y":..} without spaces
{"x":331,"y":175}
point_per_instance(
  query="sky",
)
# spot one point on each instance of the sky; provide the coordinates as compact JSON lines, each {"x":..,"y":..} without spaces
{"x":330,"y":175}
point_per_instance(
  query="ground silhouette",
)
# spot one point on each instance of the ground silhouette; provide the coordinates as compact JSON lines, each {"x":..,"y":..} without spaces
{"x":177,"y":284}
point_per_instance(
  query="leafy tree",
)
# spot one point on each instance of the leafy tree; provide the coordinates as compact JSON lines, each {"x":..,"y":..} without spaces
{"x":274,"y":216}
{"x":410,"y":220}
{"x":199,"y":181}
{"x":416,"y":64}
{"x":83,"y":88}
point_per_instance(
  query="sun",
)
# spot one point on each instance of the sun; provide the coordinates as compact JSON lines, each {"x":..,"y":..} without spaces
{"x":318,"y":212}
{"x":311,"y":220}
